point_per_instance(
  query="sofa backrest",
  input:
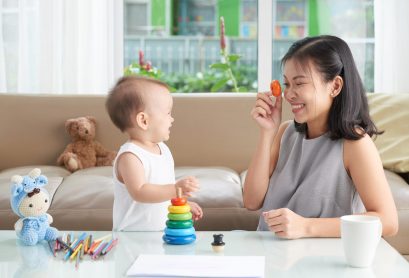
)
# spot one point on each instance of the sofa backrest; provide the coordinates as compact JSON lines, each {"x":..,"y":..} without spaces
{"x":209,"y":129}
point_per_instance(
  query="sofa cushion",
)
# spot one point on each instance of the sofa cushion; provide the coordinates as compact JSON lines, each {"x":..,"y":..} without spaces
{"x":390,"y":114}
{"x":400,"y":192}
{"x":219,"y":187}
{"x":84,"y":200}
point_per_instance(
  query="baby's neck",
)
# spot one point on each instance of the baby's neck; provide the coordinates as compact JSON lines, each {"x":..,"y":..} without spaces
{"x":147,"y":145}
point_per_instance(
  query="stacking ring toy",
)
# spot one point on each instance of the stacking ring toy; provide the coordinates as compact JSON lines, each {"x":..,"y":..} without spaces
{"x":179,"y":240}
{"x":180,"y":232}
{"x":180,"y":201}
{"x":180,"y":216}
{"x":179,"y":209}
{"x":179,"y":224}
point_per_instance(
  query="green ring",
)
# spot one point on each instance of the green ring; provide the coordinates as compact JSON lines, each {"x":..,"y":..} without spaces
{"x":184,"y":224}
{"x":180,"y":216}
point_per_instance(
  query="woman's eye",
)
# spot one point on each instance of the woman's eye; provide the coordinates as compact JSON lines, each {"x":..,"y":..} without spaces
{"x":30,"y":205}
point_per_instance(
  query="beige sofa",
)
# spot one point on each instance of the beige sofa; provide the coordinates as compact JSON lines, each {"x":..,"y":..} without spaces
{"x":213,"y":138}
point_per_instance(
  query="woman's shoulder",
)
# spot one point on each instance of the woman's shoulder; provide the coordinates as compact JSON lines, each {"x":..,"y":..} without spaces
{"x":355,"y":150}
{"x":284,"y":125}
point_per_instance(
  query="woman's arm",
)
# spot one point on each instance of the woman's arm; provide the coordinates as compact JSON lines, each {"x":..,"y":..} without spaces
{"x":268,"y":117}
{"x":364,"y":165}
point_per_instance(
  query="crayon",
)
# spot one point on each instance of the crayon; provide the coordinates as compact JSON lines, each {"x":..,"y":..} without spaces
{"x":110,"y":246}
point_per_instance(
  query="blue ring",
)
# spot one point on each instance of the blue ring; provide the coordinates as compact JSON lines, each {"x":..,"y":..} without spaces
{"x":179,"y":240}
{"x":180,"y":232}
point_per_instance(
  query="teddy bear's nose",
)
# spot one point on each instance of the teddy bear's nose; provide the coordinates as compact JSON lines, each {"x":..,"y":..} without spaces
{"x":86,"y":131}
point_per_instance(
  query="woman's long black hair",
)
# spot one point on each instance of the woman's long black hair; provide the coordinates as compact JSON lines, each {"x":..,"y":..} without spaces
{"x":349,"y":113}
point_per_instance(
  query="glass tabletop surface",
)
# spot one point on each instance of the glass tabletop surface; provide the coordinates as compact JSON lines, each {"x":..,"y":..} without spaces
{"x":312,"y":257}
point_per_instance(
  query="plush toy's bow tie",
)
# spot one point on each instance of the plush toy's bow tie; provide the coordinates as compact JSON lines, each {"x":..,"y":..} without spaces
{"x":35,"y":191}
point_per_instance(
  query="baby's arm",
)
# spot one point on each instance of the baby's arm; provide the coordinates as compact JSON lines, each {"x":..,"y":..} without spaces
{"x":130,"y":171}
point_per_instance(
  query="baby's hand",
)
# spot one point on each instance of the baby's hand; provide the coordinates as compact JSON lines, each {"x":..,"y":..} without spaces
{"x":196,"y":210}
{"x":188,"y":185}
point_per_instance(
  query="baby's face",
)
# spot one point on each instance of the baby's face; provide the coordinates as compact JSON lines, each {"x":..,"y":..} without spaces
{"x":35,"y":205}
{"x":159,"y":108}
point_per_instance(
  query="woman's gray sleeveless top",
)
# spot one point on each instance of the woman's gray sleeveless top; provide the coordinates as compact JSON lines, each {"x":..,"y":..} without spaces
{"x":310,"y":179}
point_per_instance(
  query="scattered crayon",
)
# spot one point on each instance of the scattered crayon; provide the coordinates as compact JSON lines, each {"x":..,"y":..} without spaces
{"x":79,"y":247}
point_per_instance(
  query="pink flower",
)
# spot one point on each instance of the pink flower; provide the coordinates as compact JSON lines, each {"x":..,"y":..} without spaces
{"x":141,"y":61}
{"x":222,"y":34}
{"x":148,"y":66}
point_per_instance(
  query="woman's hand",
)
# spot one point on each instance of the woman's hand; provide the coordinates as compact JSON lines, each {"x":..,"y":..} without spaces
{"x":188,"y":186}
{"x":285,"y":223}
{"x":265,"y":113}
{"x":196,"y":210}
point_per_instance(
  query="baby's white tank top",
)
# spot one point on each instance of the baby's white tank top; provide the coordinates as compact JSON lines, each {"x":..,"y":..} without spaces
{"x":130,"y":215}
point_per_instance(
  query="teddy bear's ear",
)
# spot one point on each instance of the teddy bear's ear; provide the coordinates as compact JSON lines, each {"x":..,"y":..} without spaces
{"x":92,"y":119}
{"x":68,"y":124}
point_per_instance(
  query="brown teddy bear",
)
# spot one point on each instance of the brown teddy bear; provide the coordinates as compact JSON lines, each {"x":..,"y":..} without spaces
{"x":84,"y":151}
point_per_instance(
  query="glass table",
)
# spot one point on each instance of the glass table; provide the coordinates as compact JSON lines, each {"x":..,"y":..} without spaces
{"x":312,"y":257}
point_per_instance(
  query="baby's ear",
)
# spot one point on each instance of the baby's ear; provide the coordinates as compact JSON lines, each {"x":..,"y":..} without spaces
{"x":142,"y":120}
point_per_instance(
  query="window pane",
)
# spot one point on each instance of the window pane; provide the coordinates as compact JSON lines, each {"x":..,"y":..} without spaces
{"x":136,"y":20}
{"x":180,"y":39}
{"x":352,"y":20}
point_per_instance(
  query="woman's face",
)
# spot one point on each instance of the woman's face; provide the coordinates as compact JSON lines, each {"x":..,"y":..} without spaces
{"x":309,"y":96}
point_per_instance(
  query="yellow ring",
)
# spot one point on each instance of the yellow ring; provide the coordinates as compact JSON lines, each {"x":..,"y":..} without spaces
{"x":179,"y":209}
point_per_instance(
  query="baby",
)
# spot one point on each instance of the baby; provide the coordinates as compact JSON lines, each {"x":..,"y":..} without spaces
{"x":144,"y":178}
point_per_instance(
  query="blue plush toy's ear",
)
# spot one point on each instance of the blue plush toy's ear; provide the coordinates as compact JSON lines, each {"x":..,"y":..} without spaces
{"x":41,"y":180}
{"x":17,"y":186}
{"x":16,"y":189}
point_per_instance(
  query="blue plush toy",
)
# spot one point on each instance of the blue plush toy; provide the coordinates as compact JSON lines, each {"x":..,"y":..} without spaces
{"x":30,"y":201}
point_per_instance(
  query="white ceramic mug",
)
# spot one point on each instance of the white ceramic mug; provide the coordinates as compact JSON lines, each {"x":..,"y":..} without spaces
{"x":360,"y":236}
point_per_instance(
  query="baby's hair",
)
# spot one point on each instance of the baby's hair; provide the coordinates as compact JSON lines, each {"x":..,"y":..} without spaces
{"x":126,"y":98}
{"x":349,"y":113}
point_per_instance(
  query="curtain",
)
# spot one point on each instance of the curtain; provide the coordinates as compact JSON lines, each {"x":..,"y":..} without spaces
{"x":391,"y":46}
{"x":57,"y":46}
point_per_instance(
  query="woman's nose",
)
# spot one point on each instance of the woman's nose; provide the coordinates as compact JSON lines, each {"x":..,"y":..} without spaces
{"x":289,"y":93}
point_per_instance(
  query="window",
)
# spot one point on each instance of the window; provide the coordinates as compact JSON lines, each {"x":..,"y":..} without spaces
{"x":181,"y":39}
{"x":136,"y":18}
{"x":89,"y":44}
{"x":352,"y":20}
{"x":185,"y":47}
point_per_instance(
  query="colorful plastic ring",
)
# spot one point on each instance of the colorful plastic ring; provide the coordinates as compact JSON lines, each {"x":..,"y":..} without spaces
{"x":180,"y":216}
{"x":179,"y":224}
{"x":179,"y":232}
{"x":178,"y":240}
{"x":178,"y":201}
{"x":179,"y":209}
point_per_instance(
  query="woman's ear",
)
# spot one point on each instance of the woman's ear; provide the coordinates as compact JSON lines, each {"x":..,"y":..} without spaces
{"x":142,"y":120}
{"x":337,"y":85}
